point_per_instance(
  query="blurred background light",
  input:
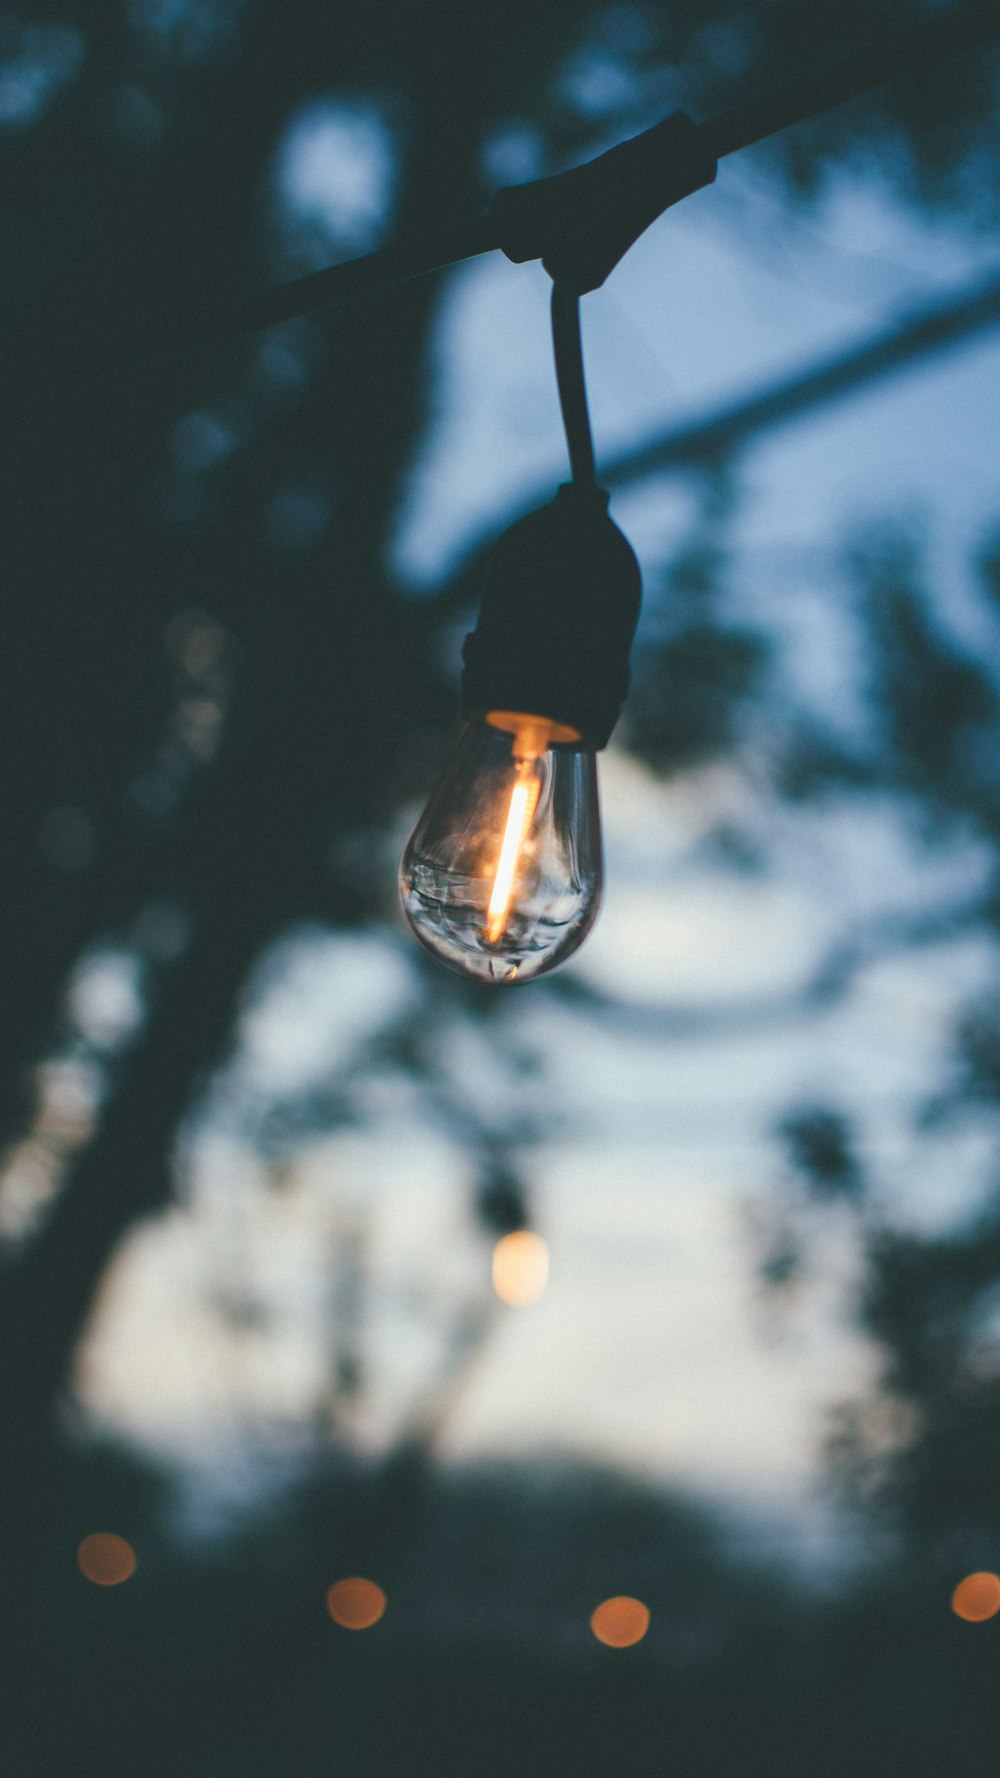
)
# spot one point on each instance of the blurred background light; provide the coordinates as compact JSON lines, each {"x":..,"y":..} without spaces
{"x":105,"y":1559}
{"x":977,"y":1598}
{"x":355,"y":1603}
{"x":620,"y":1622}
{"x":520,"y":1268}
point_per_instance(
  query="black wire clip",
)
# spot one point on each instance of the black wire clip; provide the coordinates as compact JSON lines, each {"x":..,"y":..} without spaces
{"x":580,"y":223}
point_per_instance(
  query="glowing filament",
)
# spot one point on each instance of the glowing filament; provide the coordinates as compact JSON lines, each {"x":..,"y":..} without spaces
{"x":523,"y":803}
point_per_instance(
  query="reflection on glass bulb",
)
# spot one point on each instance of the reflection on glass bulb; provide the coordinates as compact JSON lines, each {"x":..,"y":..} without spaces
{"x":502,"y":875}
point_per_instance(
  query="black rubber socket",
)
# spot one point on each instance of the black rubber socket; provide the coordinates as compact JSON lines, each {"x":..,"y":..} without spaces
{"x":557,"y":619}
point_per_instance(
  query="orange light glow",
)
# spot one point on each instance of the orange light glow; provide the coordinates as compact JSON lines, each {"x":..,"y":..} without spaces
{"x":355,"y":1604}
{"x":520,"y":1268}
{"x":620,"y":1622}
{"x":532,"y":734}
{"x":105,"y":1559}
{"x":523,"y":803}
{"x":977,"y":1598}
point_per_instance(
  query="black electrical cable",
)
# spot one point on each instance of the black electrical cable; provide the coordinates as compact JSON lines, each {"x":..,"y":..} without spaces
{"x":358,"y":278}
{"x":885,"y":56}
{"x":567,"y":347}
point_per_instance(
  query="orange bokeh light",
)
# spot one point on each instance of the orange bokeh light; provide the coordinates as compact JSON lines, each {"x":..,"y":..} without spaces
{"x":355,"y":1604}
{"x":520,"y":1268}
{"x":620,"y":1622}
{"x":105,"y":1559}
{"x":977,"y":1598}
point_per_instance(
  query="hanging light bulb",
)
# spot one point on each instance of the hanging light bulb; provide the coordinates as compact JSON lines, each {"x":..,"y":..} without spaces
{"x":502,"y":875}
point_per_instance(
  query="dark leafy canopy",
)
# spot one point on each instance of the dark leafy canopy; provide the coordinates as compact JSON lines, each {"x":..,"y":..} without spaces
{"x":214,"y":696}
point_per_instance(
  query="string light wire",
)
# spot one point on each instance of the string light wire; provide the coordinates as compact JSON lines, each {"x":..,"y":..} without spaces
{"x":567,"y":346}
{"x":639,"y":179}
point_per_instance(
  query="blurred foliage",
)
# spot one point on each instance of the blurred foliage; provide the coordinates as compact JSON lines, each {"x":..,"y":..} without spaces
{"x":214,"y":701}
{"x":219,"y":1658}
{"x":819,"y":1142}
{"x":697,"y":674}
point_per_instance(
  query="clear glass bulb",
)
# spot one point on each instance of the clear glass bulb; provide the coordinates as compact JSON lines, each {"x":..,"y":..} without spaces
{"x":502,"y":875}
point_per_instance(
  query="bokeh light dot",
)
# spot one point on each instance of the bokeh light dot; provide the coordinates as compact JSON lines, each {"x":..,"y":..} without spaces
{"x":620,"y":1622}
{"x":977,"y":1597}
{"x":520,"y":1268}
{"x":105,"y":1559}
{"x":355,"y":1603}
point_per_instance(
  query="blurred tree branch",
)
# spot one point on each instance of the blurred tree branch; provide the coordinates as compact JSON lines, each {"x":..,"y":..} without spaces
{"x":702,"y":444}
